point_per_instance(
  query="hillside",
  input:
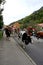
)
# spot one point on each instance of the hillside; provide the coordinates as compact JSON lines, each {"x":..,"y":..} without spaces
{"x":34,"y":18}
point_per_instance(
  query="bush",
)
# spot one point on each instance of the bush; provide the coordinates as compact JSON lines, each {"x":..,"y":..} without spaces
{"x":1,"y":34}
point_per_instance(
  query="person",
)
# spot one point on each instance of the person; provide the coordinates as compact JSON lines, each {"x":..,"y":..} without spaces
{"x":26,"y":39}
{"x":7,"y":32}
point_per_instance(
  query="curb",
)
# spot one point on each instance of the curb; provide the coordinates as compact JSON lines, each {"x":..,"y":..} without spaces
{"x":27,"y":55}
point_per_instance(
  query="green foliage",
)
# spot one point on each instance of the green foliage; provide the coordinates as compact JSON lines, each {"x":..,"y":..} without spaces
{"x":1,"y":25}
{"x":1,"y":22}
{"x":1,"y":18}
{"x":2,"y":2}
{"x":21,"y":27}
{"x":1,"y":34}
{"x":1,"y":11}
{"x":33,"y":19}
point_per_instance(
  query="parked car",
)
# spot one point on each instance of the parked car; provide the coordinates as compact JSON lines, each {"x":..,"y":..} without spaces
{"x":39,"y":34}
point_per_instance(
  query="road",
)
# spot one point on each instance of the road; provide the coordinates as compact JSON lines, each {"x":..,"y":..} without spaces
{"x":35,"y":50}
{"x":12,"y":54}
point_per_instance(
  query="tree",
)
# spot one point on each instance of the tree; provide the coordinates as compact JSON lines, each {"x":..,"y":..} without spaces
{"x":2,"y":2}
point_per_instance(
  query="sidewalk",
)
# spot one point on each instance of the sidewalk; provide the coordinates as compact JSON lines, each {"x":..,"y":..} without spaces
{"x":12,"y":54}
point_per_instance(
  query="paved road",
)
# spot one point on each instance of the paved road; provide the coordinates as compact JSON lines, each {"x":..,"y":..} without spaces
{"x":12,"y":54}
{"x":35,"y":50}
